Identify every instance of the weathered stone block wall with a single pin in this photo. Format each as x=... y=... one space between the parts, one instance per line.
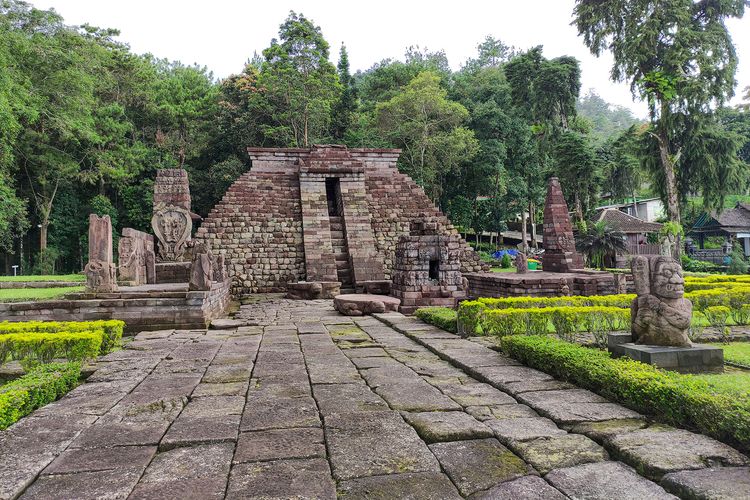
x=258 y=228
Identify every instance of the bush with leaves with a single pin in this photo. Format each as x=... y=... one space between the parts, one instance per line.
x=505 y=262
x=32 y=349
x=441 y=317
x=112 y=329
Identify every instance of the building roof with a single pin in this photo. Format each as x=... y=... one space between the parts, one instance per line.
x=625 y=223
x=628 y=204
x=731 y=220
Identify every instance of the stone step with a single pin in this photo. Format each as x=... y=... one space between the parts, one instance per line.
x=344 y=256
x=337 y=226
x=342 y=264
x=337 y=234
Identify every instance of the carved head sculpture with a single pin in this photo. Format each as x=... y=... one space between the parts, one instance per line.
x=666 y=278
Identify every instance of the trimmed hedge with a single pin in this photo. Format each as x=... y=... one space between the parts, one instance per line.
x=112 y=329
x=32 y=348
x=622 y=300
x=681 y=400
x=42 y=385
x=441 y=317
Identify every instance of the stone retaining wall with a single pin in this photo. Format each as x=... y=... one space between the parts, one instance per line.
x=15 y=285
x=540 y=284
x=141 y=310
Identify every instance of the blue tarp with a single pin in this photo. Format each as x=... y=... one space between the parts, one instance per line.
x=499 y=254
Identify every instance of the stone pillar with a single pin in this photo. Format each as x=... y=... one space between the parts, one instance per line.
x=560 y=255
x=101 y=273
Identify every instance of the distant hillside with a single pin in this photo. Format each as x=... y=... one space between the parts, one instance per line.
x=607 y=119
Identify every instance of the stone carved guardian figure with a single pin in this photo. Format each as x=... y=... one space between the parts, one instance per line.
x=660 y=315
x=172 y=226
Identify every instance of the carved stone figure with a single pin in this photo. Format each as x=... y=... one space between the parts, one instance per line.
x=522 y=263
x=220 y=268
x=201 y=268
x=172 y=226
x=135 y=251
x=660 y=315
x=100 y=271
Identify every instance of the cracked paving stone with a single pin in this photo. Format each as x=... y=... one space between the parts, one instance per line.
x=411 y=486
x=604 y=481
x=186 y=431
x=375 y=443
x=415 y=395
x=279 y=413
x=658 y=450
x=523 y=429
x=192 y=472
x=500 y=412
x=556 y=452
x=501 y=375
x=523 y=488
x=478 y=464
x=476 y=395
x=221 y=374
x=109 y=484
x=560 y=397
x=516 y=388
x=344 y=398
x=280 y=444
x=573 y=413
x=715 y=483
x=601 y=431
x=264 y=389
x=121 y=433
x=101 y=459
x=228 y=389
x=366 y=352
x=298 y=479
x=440 y=426
x=213 y=406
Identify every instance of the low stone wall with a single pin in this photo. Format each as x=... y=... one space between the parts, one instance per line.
x=540 y=284
x=172 y=272
x=140 y=309
x=15 y=285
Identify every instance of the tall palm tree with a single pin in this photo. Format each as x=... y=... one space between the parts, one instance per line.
x=598 y=241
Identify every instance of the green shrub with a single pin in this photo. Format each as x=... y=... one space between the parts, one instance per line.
x=112 y=329
x=717 y=316
x=740 y=313
x=441 y=317
x=470 y=317
x=33 y=348
x=42 y=385
x=682 y=400
x=505 y=262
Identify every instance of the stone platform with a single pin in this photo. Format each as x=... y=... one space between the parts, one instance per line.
x=145 y=307
x=541 y=284
x=699 y=358
x=312 y=404
x=360 y=304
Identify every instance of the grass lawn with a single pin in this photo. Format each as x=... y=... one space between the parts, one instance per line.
x=57 y=277
x=503 y=269
x=737 y=352
x=24 y=294
x=734 y=381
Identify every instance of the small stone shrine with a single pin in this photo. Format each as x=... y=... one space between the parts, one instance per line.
x=560 y=255
x=307 y=221
x=427 y=270
x=660 y=317
x=136 y=258
x=100 y=271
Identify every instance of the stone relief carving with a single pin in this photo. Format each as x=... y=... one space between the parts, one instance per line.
x=100 y=271
x=172 y=226
x=660 y=315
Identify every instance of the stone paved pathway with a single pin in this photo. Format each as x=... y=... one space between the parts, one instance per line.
x=311 y=404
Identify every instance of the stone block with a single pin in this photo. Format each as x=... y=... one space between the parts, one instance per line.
x=699 y=358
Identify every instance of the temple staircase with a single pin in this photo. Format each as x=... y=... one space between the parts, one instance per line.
x=341 y=253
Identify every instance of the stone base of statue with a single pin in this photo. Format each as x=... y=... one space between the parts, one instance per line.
x=698 y=358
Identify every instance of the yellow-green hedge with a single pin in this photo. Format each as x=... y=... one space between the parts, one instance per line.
x=40 y=386
x=32 y=348
x=622 y=300
x=564 y=321
x=112 y=329
x=677 y=399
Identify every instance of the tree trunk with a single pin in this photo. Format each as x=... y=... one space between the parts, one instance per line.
x=532 y=219
x=579 y=208
x=635 y=205
x=673 y=206
x=523 y=231
x=43 y=235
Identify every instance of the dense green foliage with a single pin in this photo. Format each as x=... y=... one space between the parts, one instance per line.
x=32 y=348
x=441 y=317
x=681 y=400
x=111 y=329
x=40 y=386
x=85 y=123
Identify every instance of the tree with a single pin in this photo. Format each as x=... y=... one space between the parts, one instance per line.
x=599 y=241
x=13 y=216
x=676 y=54
x=607 y=120
x=578 y=170
x=346 y=105
x=622 y=172
x=300 y=83
x=429 y=128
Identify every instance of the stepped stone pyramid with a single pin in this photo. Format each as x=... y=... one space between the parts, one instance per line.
x=325 y=213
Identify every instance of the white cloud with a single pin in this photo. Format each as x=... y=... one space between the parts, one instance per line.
x=223 y=34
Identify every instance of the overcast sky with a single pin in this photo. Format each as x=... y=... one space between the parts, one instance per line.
x=223 y=34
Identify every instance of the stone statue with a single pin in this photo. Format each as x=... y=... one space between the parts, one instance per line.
x=522 y=263
x=201 y=268
x=172 y=226
x=100 y=271
x=659 y=315
x=220 y=268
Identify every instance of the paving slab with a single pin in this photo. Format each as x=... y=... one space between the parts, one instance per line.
x=280 y=444
x=374 y=443
x=189 y=431
x=344 y=398
x=602 y=431
x=730 y=483
x=415 y=395
x=546 y=454
x=279 y=413
x=476 y=395
x=478 y=464
x=108 y=484
x=605 y=481
x=516 y=388
x=500 y=412
x=101 y=459
x=440 y=426
x=222 y=374
x=659 y=450
x=523 y=429
x=523 y=488
x=409 y=486
x=227 y=389
x=298 y=479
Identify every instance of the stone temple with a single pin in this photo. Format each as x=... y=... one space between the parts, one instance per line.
x=322 y=214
